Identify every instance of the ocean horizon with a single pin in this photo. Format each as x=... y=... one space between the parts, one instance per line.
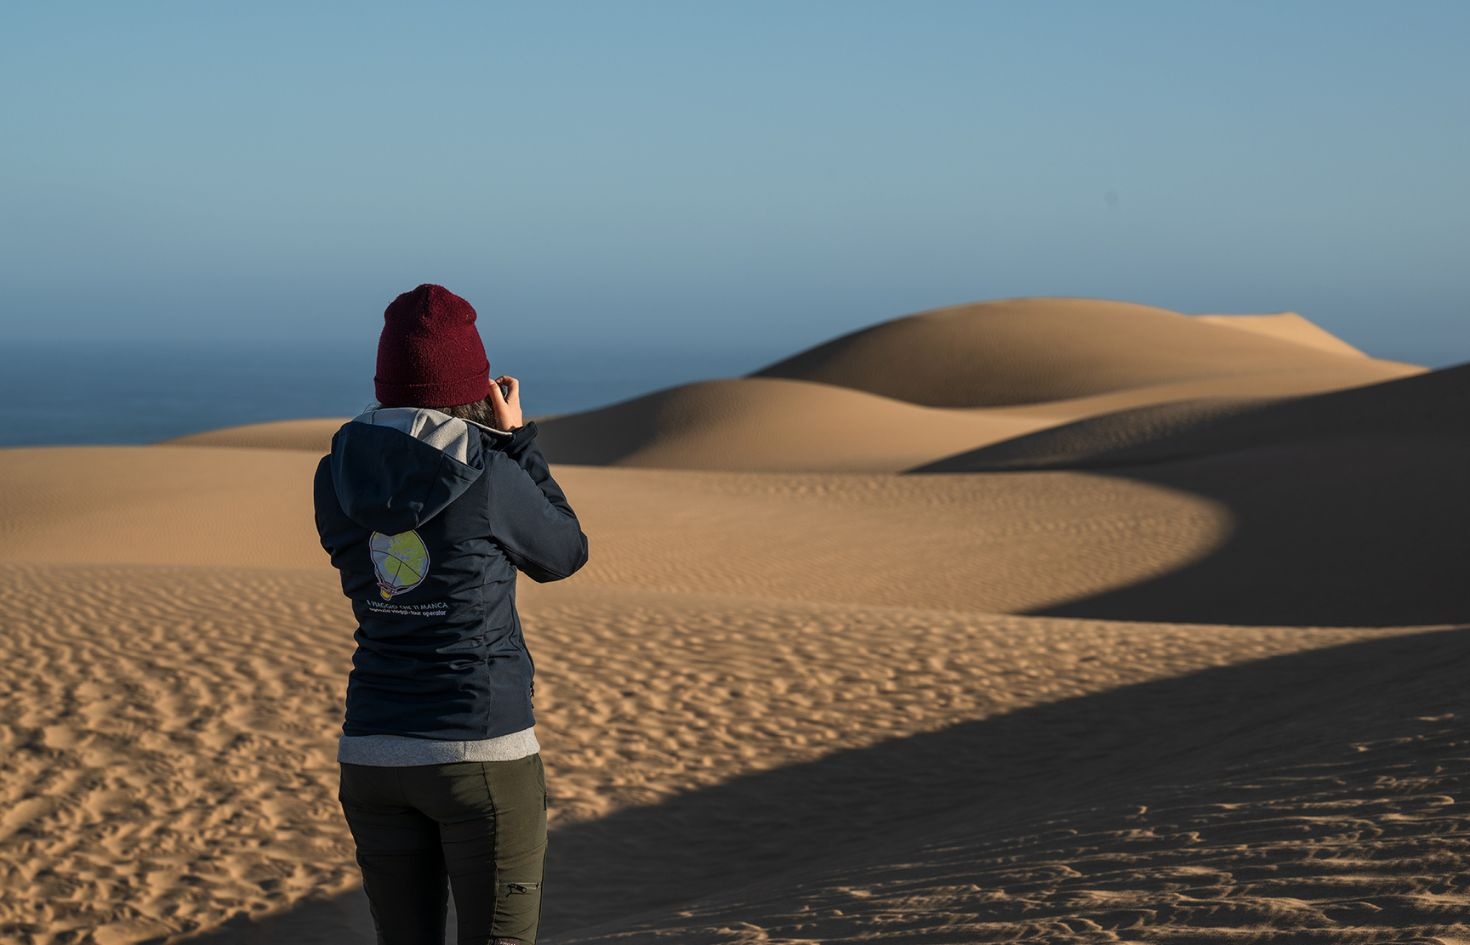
x=104 y=392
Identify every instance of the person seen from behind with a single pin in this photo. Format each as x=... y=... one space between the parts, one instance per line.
x=429 y=503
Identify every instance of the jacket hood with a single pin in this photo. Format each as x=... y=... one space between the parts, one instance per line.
x=395 y=468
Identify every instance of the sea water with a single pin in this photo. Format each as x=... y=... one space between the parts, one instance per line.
x=134 y=392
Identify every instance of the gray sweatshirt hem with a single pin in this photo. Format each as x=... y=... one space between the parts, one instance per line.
x=402 y=750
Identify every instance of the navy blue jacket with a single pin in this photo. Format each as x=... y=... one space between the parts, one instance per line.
x=427 y=518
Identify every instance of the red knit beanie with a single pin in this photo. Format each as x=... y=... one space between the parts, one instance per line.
x=430 y=353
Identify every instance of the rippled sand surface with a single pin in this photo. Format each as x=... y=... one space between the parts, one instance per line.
x=1210 y=690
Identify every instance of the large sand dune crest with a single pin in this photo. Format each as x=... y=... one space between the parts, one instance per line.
x=1022 y=351
x=1287 y=326
x=966 y=378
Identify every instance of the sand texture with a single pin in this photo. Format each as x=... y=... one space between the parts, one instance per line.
x=1071 y=639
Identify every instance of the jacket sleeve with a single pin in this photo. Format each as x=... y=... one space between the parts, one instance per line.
x=529 y=514
x=322 y=494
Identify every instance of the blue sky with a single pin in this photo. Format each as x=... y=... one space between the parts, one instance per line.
x=652 y=176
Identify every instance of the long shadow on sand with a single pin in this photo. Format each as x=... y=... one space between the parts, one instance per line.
x=1368 y=532
x=1348 y=508
x=1278 y=725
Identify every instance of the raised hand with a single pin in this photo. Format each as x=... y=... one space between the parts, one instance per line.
x=507 y=408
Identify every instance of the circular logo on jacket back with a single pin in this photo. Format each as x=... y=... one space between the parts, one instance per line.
x=400 y=561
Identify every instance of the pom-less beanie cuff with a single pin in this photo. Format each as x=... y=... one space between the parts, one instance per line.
x=434 y=393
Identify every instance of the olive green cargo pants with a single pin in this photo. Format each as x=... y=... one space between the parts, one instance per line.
x=476 y=826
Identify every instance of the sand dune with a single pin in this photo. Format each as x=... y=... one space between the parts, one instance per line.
x=1302 y=380
x=1279 y=536
x=806 y=537
x=159 y=505
x=314 y=435
x=997 y=544
x=771 y=424
x=775 y=424
x=1021 y=351
x=1037 y=363
x=703 y=742
x=174 y=774
x=1287 y=326
x=1431 y=404
x=1052 y=361
x=1209 y=694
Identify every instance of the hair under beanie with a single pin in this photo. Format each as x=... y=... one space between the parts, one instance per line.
x=430 y=353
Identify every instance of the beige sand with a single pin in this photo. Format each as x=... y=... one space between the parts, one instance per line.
x=1019 y=351
x=1288 y=326
x=1217 y=698
x=313 y=435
